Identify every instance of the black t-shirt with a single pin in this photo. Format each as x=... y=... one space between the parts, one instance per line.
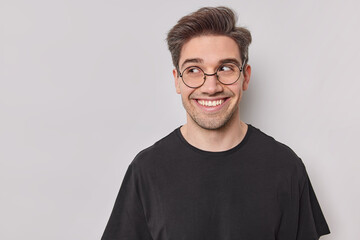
x=258 y=190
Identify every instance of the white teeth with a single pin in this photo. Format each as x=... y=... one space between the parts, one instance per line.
x=211 y=103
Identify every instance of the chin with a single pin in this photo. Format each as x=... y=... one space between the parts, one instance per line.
x=214 y=124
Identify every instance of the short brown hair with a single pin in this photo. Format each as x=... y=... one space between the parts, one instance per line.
x=208 y=21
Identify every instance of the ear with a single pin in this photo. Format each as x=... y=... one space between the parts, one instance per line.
x=247 y=74
x=177 y=82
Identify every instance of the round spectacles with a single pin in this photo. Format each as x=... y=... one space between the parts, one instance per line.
x=227 y=74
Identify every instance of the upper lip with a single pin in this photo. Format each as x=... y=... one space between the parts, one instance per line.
x=211 y=99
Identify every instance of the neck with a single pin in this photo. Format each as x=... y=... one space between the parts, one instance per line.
x=222 y=139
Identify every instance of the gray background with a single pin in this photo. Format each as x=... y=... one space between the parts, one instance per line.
x=86 y=85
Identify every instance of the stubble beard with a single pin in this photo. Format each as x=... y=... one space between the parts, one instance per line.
x=211 y=122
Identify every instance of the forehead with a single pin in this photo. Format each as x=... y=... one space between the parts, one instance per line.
x=210 y=48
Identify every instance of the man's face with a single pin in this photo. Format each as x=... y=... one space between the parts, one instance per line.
x=214 y=104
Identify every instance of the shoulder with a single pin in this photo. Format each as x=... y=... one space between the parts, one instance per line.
x=270 y=148
x=160 y=150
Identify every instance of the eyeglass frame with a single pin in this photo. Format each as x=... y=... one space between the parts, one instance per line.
x=212 y=74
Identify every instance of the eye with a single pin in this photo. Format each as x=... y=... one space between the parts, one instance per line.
x=226 y=68
x=192 y=70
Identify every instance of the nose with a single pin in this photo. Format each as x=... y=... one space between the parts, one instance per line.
x=211 y=85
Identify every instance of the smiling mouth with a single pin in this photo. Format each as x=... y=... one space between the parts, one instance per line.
x=211 y=103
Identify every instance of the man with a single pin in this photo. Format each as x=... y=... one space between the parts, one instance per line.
x=215 y=177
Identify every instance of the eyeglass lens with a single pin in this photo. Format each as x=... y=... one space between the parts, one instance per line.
x=195 y=77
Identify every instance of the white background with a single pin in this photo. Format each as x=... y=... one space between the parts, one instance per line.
x=86 y=85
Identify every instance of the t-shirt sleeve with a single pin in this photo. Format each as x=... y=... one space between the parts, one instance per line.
x=127 y=220
x=312 y=223
x=303 y=219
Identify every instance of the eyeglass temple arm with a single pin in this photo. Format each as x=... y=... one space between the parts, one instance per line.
x=242 y=67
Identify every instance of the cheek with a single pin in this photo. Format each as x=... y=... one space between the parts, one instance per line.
x=185 y=92
x=236 y=90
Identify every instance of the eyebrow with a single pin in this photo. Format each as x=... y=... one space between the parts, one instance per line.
x=192 y=60
x=230 y=60
x=199 y=60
